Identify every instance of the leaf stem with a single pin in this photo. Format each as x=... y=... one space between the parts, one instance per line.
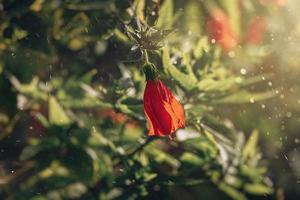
x=146 y=57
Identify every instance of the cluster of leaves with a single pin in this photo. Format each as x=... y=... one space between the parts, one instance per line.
x=83 y=153
x=77 y=153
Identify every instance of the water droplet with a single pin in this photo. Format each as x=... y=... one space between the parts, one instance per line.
x=238 y=80
x=263 y=106
x=127 y=182
x=231 y=54
x=213 y=41
x=251 y=100
x=270 y=83
x=210 y=108
x=288 y=114
x=243 y=71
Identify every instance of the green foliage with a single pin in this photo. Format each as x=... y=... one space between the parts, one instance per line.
x=57 y=116
x=166 y=15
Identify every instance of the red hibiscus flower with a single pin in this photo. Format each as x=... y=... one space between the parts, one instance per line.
x=219 y=29
x=164 y=113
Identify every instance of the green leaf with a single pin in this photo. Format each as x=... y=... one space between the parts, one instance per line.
x=254 y=173
x=57 y=115
x=258 y=189
x=191 y=159
x=195 y=112
x=201 y=47
x=233 y=10
x=43 y=144
x=250 y=149
x=121 y=36
x=165 y=18
x=203 y=146
x=87 y=6
x=256 y=79
x=162 y=157
x=99 y=140
x=39 y=198
x=159 y=35
x=232 y=192
x=209 y=84
x=30 y=151
x=210 y=137
x=244 y=96
x=139 y=6
x=193 y=17
x=31 y=89
x=87 y=78
x=131 y=106
x=55 y=182
x=149 y=177
x=187 y=81
x=42 y=119
x=179 y=181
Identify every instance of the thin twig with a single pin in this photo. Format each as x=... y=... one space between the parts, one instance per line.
x=145 y=54
x=141 y=147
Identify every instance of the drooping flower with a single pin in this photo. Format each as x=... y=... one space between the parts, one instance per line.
x=220 y=30
x=164 y=113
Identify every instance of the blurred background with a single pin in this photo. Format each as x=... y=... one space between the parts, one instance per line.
x=72 y=124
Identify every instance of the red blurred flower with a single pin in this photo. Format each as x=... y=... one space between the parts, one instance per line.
x=164 y=113
x=219 y=29
x=256 y=30
x=115 y=117
x=276 y=2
